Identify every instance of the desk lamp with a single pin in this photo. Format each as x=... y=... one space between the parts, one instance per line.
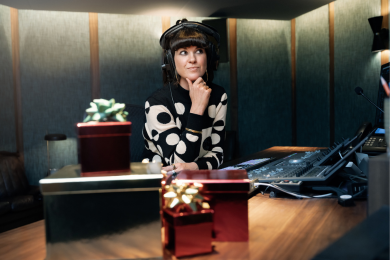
x=52 y=137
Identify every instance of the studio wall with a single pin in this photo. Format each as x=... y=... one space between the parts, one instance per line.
x=264 y=84
x=7 y=108
x=355 y=65
x=312 y=78
x=56 y=81
x=129 y=57
x=55 y=85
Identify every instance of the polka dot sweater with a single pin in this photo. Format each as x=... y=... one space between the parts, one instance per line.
x=165 y=134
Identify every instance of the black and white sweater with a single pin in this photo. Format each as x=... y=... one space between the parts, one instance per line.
x=165 y=134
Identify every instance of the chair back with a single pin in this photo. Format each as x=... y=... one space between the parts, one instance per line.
x=137 y=118
x=230 y=147
x=13 y=180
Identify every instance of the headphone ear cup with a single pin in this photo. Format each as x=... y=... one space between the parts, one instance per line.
x=214 y=57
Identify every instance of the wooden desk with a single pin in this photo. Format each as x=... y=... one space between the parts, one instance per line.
x=279 y=228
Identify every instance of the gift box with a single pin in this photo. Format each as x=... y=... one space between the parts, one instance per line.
x=227 y=194
x=104 y=147
x=188 y=233
x=103 y=217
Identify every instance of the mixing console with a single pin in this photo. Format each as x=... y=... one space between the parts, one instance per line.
x=307 y=167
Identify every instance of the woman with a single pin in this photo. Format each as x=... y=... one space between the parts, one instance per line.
x=185 y=120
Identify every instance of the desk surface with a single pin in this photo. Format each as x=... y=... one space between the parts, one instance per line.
x=279 y=228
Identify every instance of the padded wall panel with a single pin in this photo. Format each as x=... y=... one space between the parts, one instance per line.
x=264 y=84
x=7 y=115
x=55 y=82
x=222 y=75
x=312 y=77
x=129 y=57
x=355 y=65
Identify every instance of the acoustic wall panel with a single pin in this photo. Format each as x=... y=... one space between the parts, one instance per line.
x=55 y=83
x=355 y=65
x=129 y=57
x=222 y=75
x=7 y=115
x=312 y=77
x=264 y=84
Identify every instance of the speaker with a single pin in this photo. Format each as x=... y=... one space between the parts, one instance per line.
x=221 y=26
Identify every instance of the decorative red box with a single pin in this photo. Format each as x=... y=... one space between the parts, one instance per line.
x=227 y=194
x=104 y=147
x=188 y=233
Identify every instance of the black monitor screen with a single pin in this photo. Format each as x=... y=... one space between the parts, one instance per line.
x=381 y=94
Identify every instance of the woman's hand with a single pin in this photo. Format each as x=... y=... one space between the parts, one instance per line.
x=199 y=94
x=181 y=166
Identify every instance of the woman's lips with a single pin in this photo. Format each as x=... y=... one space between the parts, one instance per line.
x=192 y=68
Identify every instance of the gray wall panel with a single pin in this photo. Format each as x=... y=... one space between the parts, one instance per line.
x=7 y=115
x=355 y=65
x=55 y=82
x=264 y=84
x=129 y=57
x=312 y=78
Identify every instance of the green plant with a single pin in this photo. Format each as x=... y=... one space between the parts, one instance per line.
x=102 y=110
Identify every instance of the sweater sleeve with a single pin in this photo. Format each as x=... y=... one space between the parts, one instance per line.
x=214 y=157
x=162 y=133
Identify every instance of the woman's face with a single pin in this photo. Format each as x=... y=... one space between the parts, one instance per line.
x=191 y=62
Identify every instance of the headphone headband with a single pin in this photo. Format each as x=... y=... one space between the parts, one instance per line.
x=168 y=64
x=210 y=31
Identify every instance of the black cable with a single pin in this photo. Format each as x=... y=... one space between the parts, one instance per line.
x=360 y=192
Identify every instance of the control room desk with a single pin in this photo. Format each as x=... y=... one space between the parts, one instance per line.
x=280 y=228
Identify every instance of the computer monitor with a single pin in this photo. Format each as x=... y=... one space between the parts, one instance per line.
x=379 y=122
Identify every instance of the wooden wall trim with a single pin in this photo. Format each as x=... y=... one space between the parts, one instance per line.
x=16 y=80
x=293 y=87
x=166 y=23
x=232 y=25
x=233 y=73
x=94 y=52
x=331 y=75
x=385 y=24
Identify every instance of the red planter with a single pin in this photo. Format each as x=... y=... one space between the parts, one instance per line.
x=227 y=194
x=104 y=147
x=188 y=233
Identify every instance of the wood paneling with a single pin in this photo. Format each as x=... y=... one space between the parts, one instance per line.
x=16 y=79
x=94 y=49
x=385 y=24
x=331 y=74
x=233 y=73
x=166 y=23
x=232 y=23
x=293 y=86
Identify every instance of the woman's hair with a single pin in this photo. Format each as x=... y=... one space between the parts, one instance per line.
x=187 y=37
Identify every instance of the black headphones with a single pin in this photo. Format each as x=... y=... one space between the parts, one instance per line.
x=212 y=51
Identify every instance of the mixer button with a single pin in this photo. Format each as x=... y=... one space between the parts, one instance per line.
x=286 y=181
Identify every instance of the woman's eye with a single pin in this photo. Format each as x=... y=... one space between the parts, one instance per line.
x=199 y=51
x=183 y=53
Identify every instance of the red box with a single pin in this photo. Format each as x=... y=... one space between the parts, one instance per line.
x=188 y=233
x=104 y=147
x=227 y=193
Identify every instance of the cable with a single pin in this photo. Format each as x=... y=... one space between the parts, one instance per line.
x=360 y=192
x=354 y=176
x=264 y=190
x=323 y=195
x=283 y=190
